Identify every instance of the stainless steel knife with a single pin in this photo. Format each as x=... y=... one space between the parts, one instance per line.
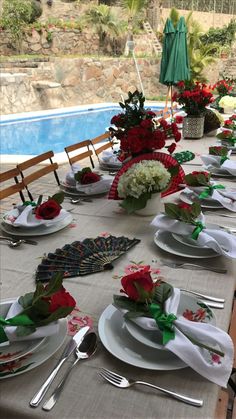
x=72 y=344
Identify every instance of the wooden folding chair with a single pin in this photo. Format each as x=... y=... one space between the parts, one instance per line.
x=36 y=174
x=12 y=189
x=80 y=156
x=105 y=145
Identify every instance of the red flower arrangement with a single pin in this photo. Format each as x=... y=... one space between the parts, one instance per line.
x=178 y=119
x=194 y=96
x=137 y=129
x=86 y=176
x=223 y=87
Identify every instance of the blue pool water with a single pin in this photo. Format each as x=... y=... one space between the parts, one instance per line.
x=54 y=132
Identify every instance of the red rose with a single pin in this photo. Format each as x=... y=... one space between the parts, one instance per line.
x=179 y=119
x=139 y=285
x=183 y=205
x=60 y=299
x=195 y=173
x=146 y=123
x=171 y=148
x=89 y=177
x=118 y=120
x=48 y=210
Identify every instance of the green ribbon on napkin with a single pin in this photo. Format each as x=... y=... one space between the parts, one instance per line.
x=198 y=228
x=223 y=159
x=164 y=322
x=19 y=320
x=32 y=203
x=209 y=190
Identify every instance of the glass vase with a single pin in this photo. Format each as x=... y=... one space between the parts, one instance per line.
x=193 y=126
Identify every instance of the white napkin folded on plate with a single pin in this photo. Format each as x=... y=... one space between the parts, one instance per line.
x=40 y=332
x=26 y=218
x=101 y=186
x=70 y=176
x=213 y=162
x=226 y=197
x=214 y=368
x=220 y=241
x=109 y=157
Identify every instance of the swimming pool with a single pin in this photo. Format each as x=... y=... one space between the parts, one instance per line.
x=34 y=133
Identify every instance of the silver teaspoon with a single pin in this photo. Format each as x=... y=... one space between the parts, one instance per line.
x=86 y=349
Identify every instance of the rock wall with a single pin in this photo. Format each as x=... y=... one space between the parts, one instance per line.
x=62 y=82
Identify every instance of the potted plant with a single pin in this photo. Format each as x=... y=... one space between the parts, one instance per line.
x=194 y=97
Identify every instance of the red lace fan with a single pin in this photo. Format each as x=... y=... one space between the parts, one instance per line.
x=164 y=158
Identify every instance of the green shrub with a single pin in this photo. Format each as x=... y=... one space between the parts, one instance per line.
x=222 y=36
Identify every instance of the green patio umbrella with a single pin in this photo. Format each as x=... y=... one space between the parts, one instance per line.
x=178 y=64
x=169 y=33
x=174 y=62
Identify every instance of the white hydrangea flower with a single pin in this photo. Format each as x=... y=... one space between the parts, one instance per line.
x=145 y=176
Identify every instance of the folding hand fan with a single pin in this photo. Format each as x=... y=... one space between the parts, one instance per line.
x=164 y=158
x=84 y=257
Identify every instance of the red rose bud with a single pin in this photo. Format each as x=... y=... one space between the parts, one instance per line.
x=48 y=210
x=89 y=178
x=61 y=299
x=171 y=148
x=138 y=286
x=183 y=205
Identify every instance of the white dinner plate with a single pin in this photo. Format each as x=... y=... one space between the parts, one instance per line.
x=187 y=198
x=117 y=340
x=188 y=241
x=153 y=338
x=50 y=345
x=16 y=350
x=165 y=241
x=36 y=231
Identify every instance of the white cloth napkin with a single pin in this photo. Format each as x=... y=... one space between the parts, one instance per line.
x=109 y=157
x=101 y=186
x=70 y=176
x=227 y=196
x=220 y=241
x=213 y=162
x=197 y=358
x=40 y=332
x=26 y=218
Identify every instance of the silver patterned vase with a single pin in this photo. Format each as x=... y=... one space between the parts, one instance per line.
x=193 y=126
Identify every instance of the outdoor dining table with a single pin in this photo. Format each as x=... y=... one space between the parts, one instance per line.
x=86 y=394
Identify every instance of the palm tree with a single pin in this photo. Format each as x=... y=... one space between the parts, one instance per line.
x=134 y=9
x=103 y=22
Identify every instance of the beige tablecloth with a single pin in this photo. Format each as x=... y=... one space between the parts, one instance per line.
x=86 y=395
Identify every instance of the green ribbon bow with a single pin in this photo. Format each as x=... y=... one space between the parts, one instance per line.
x=19 y=320
x=198 y=228
x=164 y=322
x=209 y=190
x=32 y=203
x=223 y=159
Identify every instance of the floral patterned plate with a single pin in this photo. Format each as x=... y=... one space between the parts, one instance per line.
x=33 y=359
x=190 y=308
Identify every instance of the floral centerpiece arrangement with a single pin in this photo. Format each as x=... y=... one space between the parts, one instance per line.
x=194 y=96
x=86 y=176
x=35 y=309
x=138 y=129
x=141 y=181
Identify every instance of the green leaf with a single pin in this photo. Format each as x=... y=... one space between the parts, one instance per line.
x=173 y=170
x=58 y=197
x=162 y=293
x=58 y=314
x=39 y=201
x=172 y=210
x=54 y=284
x=25 y=330
x=127 y=304
x=26 y=300
x=196 y=210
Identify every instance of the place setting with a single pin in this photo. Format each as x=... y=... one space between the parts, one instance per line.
x=218 y=162
x=84 y=183
x=36 y=218
x=183 y=231
x=158 y=327
x=33 y=327
x=199 y=187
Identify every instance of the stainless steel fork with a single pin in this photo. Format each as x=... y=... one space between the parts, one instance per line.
x=188 y=265
x=123 y=382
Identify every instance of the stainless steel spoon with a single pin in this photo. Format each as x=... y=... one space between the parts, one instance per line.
x=17 y=242
x=86 y=349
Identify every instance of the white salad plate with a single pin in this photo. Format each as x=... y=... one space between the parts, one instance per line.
x=205 y=203
x=41 y=230
x=153 y=338
x=32 y=360
x=165 y=241
x=118 y=341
